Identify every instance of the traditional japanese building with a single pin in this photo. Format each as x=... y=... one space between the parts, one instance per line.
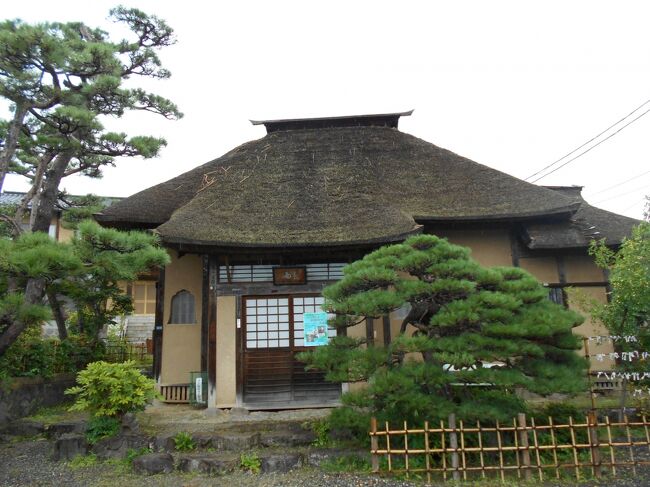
x=256 y=234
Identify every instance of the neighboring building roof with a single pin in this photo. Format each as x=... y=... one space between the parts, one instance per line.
x=15 y=197
x=314 y=182
x=585 y=225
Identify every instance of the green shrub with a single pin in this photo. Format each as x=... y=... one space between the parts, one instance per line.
x=250 y=462
x=183 y=442
x=112 y=389
x=100 y=427
x=351 y=422
x=321 y=428
x=76 y=352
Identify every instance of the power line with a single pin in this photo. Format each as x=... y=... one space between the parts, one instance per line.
x=590 y=148
x=638 y=202
x=589 y=141
x=644 y=187
x=620 y=184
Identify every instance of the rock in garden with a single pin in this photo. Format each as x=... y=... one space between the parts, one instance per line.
x=280 y=463
x=154 y=463
x=69 y=445
x=24 y=427
x=235 y=441
x=210 y=464
x=55 y=430
x=118 y=446
x=287 y=438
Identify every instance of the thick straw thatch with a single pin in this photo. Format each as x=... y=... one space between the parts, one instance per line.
x=329 y=186
x=586 y=224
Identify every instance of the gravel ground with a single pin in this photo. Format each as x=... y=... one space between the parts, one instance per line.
x=27 y=463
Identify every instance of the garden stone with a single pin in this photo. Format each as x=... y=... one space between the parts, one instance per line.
x=210 y=464
x=24 y=427
x=57 y=429
x=130 y=424
x=287 y=438
x=68 y=446
x=280 y=463
x=235 y=441
x=164 y=443
x=153 y=463
x=203 y=440
x=118 y=446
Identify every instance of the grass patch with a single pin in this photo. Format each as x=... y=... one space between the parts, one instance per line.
x=83 y=461
x=54 y=414
x=347 y=464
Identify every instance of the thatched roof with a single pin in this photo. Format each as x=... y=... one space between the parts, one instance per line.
x=586 y=224
x=355 y=180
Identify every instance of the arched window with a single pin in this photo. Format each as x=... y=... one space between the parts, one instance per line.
x=182 y=308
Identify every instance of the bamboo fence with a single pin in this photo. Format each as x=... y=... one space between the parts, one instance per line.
x=461 y=451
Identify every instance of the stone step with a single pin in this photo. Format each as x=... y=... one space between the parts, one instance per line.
x=270 y=461
x=240 y=441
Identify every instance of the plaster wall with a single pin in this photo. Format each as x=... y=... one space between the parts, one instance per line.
x=226 y=396
x=181 y=350
x=490 y=247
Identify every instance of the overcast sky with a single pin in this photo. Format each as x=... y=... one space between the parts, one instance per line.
x=512 y=85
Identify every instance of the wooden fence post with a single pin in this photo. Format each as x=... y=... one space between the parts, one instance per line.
x=453 y=445
x=595 y=444
x=374 y=445
x=523 y=442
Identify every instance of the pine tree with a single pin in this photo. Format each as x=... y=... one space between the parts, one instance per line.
x=62 y=80
x=472 y=335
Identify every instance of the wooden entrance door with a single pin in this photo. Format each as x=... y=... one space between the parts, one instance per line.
x=273 y=334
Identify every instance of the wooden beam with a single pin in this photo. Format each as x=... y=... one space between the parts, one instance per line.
x=157 y=335
x=212 y=328
x=386 y=325
x=205 y=310
x=370 y=331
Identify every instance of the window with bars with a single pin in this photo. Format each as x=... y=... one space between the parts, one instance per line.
x=182 y=308
x=143 y=294
x=264 y=273
x=277 y=322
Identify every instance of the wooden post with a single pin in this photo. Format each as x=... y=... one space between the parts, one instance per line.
x=374 y=445
x=595 y=444
x=523 y=442
x=592 y=396
x=453 y=445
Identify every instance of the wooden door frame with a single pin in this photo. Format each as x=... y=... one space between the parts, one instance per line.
x=240 y=342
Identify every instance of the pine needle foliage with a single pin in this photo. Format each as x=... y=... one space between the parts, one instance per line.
x=472 y=335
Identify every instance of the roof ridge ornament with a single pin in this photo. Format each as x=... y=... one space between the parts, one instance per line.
x=370 y=120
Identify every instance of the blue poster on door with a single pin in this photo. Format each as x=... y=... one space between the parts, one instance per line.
x=315 y=329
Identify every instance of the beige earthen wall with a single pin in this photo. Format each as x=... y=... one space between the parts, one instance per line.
x=226 y=396
x=181 y=350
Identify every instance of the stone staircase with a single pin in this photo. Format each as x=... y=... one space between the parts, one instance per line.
x=273 y=448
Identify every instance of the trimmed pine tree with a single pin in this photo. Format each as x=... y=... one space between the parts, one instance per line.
x=471 y=337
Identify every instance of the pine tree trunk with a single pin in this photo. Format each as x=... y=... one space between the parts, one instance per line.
x=33 y=294
x=57 y=311
x=11 y=141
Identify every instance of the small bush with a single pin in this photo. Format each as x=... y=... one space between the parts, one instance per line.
x=100 y=427
x=183 y=442
x=350 y=423
x=321 y=428
x=250 y=462
x=112 y=389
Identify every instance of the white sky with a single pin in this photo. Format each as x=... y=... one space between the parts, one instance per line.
x=513 y=85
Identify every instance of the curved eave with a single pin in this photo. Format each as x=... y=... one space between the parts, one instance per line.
x=290 y=245
x=507 y=217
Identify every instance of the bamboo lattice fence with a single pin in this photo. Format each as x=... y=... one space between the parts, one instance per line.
x=463 y=451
